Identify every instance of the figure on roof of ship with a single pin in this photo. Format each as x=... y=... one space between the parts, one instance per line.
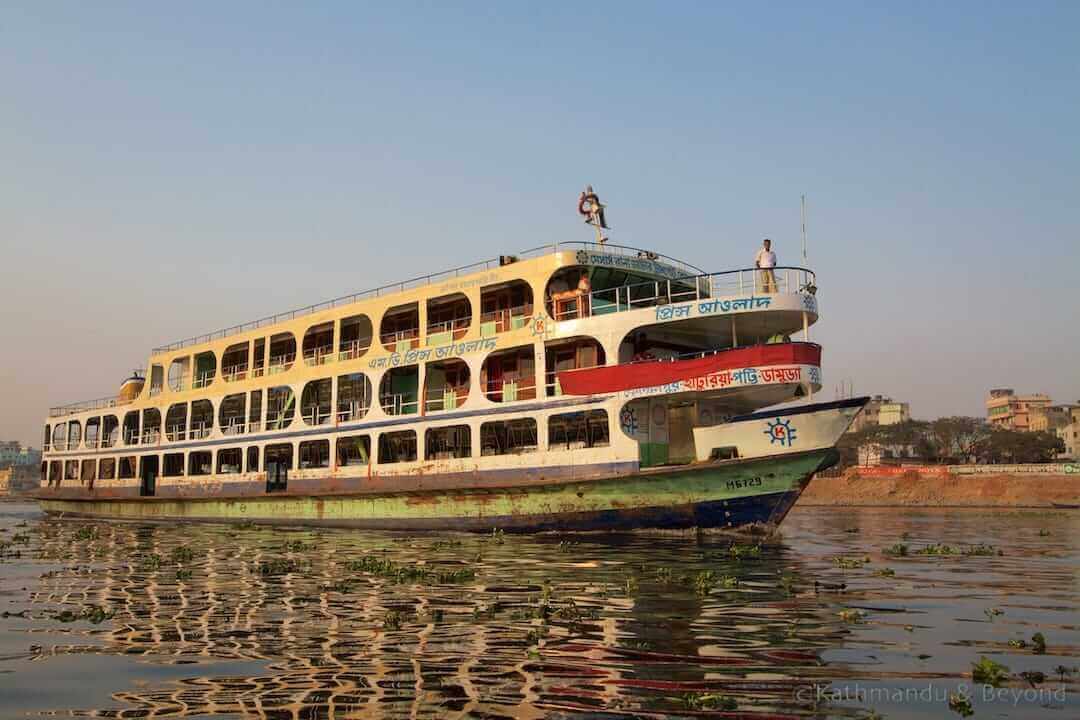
x=590 y=207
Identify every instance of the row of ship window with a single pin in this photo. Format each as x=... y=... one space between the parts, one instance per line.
x=505 y=376
x=583 y=429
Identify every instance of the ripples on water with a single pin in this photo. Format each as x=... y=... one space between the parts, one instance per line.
x=126 y=620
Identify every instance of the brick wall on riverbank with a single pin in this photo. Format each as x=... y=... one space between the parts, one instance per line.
x=945 y=486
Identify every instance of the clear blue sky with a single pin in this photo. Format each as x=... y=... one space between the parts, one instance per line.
x=170 y=169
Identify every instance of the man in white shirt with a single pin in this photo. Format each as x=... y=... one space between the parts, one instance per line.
x=765 y=261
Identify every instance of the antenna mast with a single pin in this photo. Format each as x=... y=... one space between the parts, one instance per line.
x=803 y=214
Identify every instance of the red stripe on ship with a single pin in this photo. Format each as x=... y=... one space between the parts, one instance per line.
x=616 y=378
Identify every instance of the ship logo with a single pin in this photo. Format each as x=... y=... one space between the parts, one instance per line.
x=582 y=257
x=780 y=431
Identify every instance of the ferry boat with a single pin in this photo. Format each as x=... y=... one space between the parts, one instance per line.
x=577 y=386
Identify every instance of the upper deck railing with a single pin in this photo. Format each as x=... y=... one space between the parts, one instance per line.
x=99 y=404
x=573 y=305
x=424 y=280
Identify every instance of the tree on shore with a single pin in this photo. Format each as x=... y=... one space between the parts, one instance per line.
x=1014 y=446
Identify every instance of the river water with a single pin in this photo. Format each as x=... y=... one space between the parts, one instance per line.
x=130 y=620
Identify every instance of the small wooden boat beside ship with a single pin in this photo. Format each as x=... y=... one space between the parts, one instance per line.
x=580 y=386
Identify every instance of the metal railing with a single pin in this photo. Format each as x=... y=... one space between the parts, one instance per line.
x=505 y=319
x=444 y=398
x=631 y=253
x=455 y=328
x=202 y=380
x=513 y=388
x=234 y=373
x=784 y=280
x=393 y=339
x=319 y=355
x=316 y=415
x=353 y=349
x=74 y=408
x=399 y=404
x=354 y=411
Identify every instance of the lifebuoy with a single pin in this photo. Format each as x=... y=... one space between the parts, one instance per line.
x=592 y=200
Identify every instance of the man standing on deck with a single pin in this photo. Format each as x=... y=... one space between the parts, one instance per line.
x=765 y=261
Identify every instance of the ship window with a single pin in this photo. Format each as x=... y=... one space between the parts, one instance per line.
x=176 y=422
x=202 y=419
x=44 y=473
x=578 y=430
x=280 y=407
x=205 y=370
x=179 y=372
x=570 y=354
x=448 y=319
x=314 y=454
x=151 y=425
x=71 y=470
x=56 y=472
x=48 y=438
x=353 y=397
x=228 y=461
x=234 y=362
x=446 y=385
x=253 y=459
x=110 y=431
x=399 y=390
x=88 y=473
x=282 y=353
x=400 y=328
x=396 y=447
x=315 y=402
x=157 y=379
x=448 y=442
x=74 y=435
x=281 y=455
x=353 y=450
x=509 y=375
x=231 y=414
x=505 y=307
x=508 y=437
x=319 y=344
x=173 y=465
x=93 y=433
x=131 y=427
x=59 y=436
x=255 y=411
x=200 y=463
x=258 y=358
x=355 y=337
x=107 y=471
x=127 y=467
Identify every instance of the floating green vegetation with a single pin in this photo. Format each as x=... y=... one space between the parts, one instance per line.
x=183 y=574
x=897 y=550
x=936 y=549
x=1017 y=643
x=988 y=672
x=246 y=525
x=1038 y=644
x=297 y=546
x=566 y=545
x=498 y=537
x=630 y=584
x=851 y=530
x=961 y=704
x=1033 y=677
x=182 y=554
x=20 y=539
x=340 y=586
x=410 y=573
x=851 y=615
x=741 y=552
x=1044 y=532
x=787 y=583
x=850 y=563
x=93 y=614
x=1064 y=672
x=993 y=613
x=885 y=572
x=393 y=620
x=709 y=701
x=982 y=549
x=664 y=575
x=278 y=566
x=536 y=634
x=445 y=544
x=150 y=562
x=87 y=532
x=704 y=582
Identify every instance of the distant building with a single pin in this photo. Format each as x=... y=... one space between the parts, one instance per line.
x=1070 y=433
x=874 y=454
x=1005 y=409
x=12 y=453
x=881 y=410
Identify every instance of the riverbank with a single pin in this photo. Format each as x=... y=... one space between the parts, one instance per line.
x=945 y=486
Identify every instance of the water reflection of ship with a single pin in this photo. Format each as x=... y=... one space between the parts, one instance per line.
x=326 y=653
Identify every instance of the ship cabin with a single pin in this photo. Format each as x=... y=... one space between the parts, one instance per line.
x=460 y=377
